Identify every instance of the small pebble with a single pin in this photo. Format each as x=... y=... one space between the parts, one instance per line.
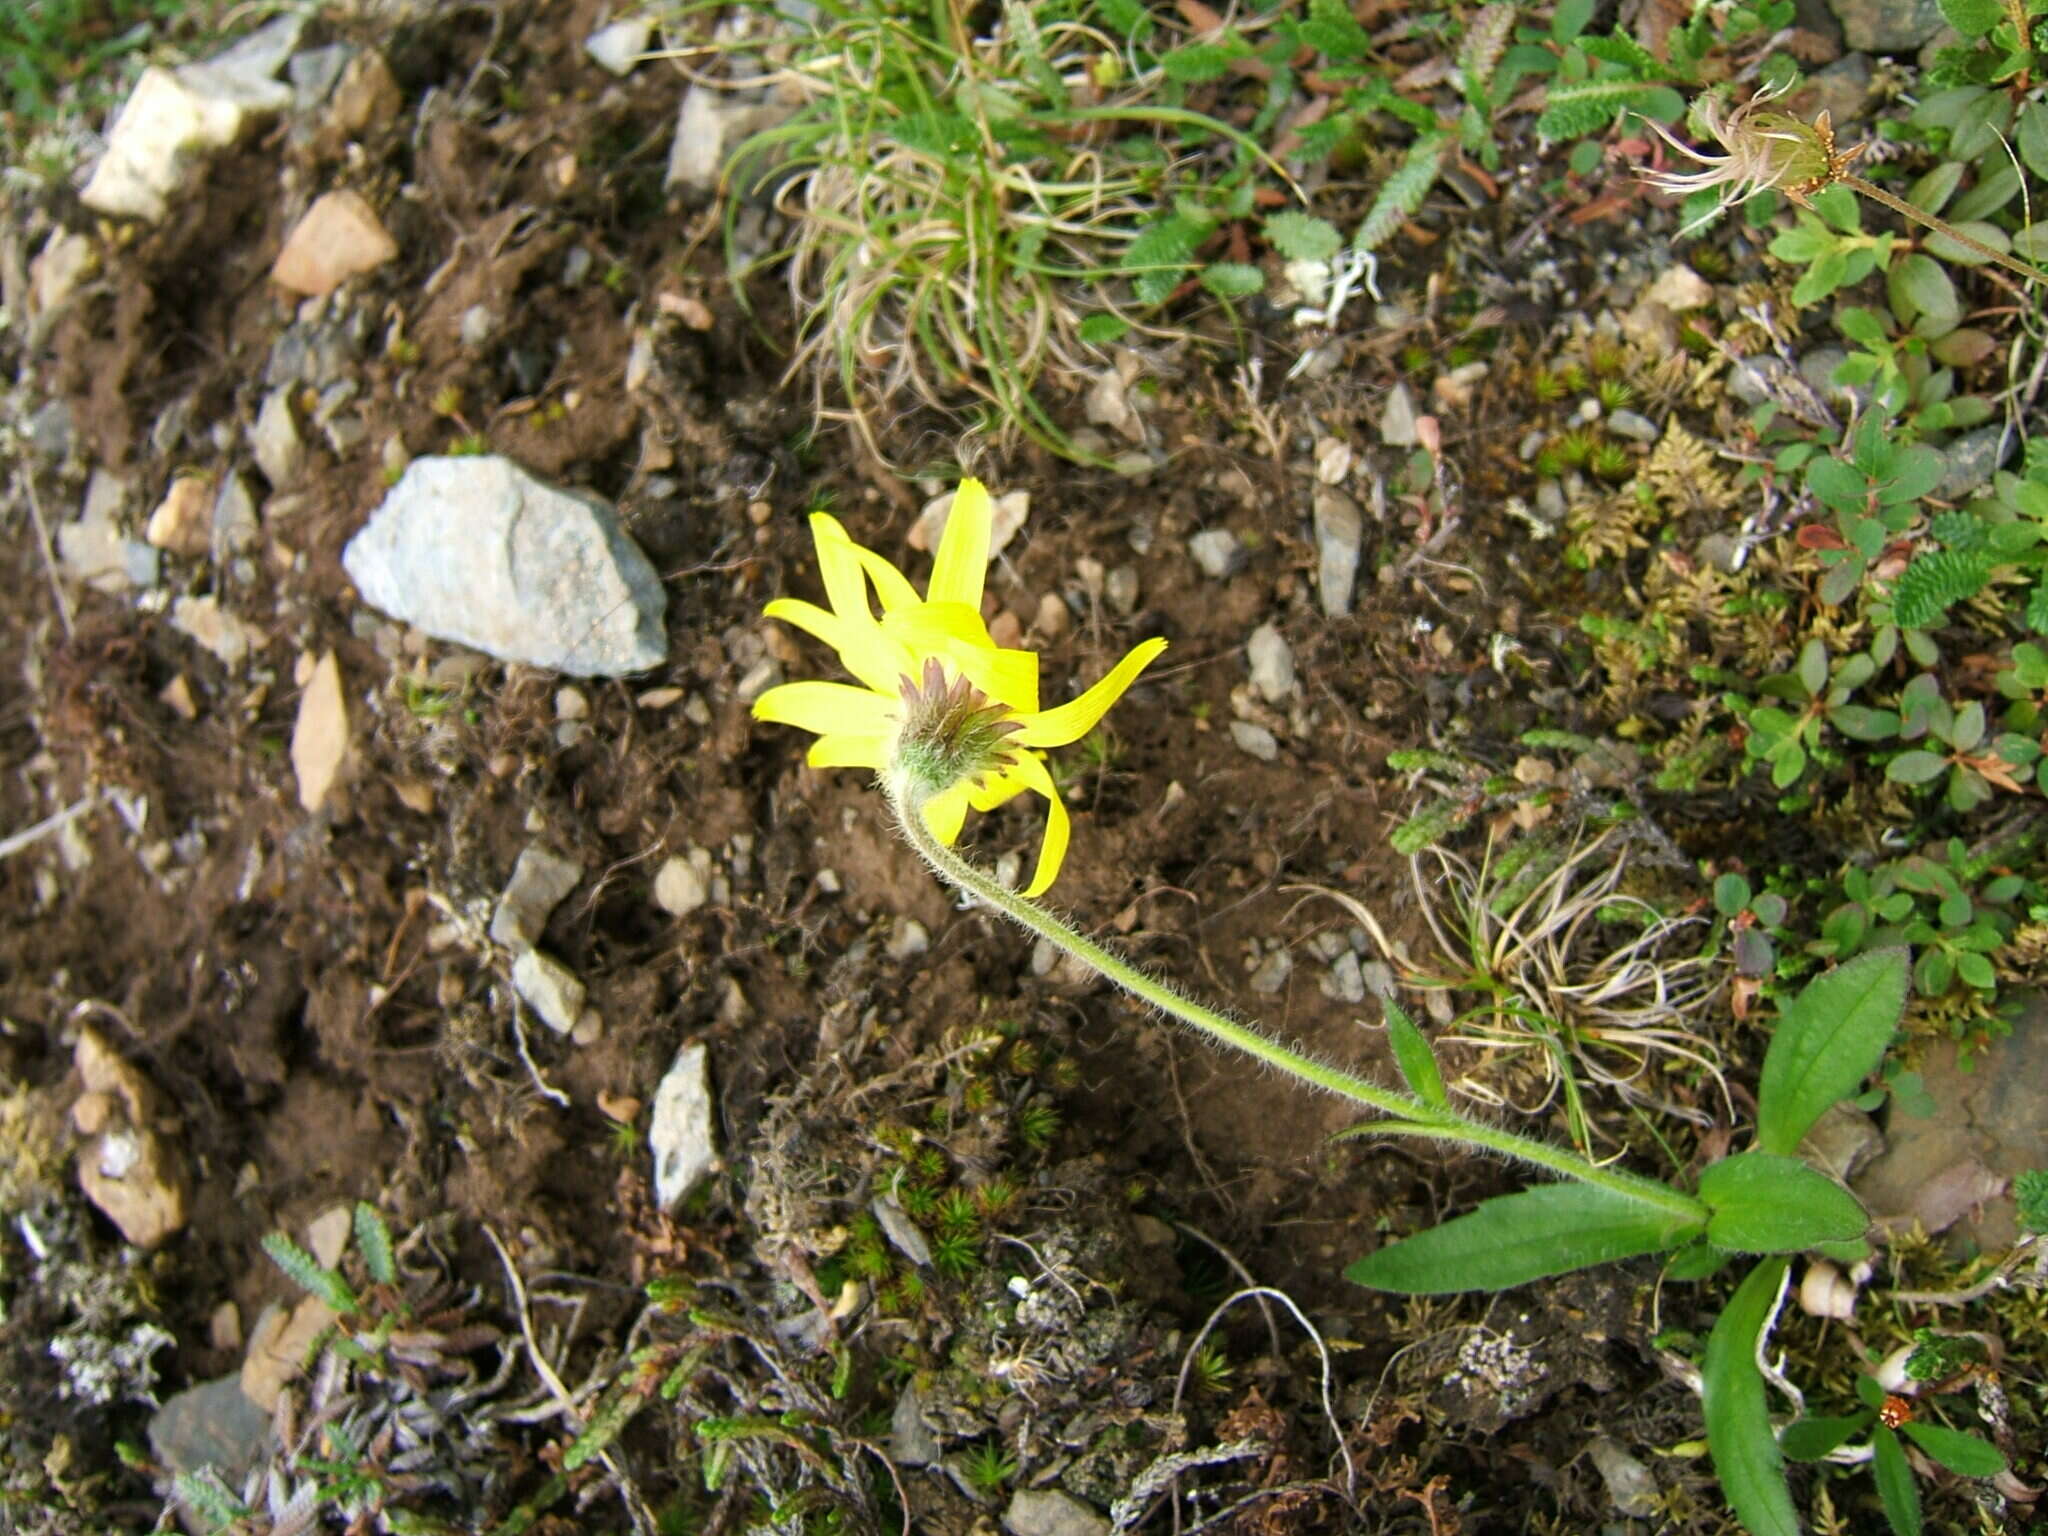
x=1345 y=982
x=1052 y=616
x=1218 y=552
x=908 y=939
x=589 y=1028
x=1633 y=424
x=1397 y=419
x=679 y=889
x=571 y=704
x=1255 y=740
x=1120 y=591
x=1272 y=973
x=1272 y=664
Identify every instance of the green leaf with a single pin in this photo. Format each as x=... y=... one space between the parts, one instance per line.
x=1548 y=1230
x=1739 y=1438
x=2031 y=139
x=1913 y=473
x=1412 y=1054
x=1570 y=18
x=1403 y=192
x=1840 y=484
x=373 y=1239
x=1972 y=18
x=1859 y=723
x=1963 y=1454
x=1731 y=894
x=1922 y=296
x=1161 y=255
x=1099 y=330
x=1896 y=1489
x=1811 y=1439
x=1195 y=63
x=1573 y=111
x=1233 y=279
x=1931 y=192
x=310 y=1275
x=1767 y=1204
x=1813 y=667
x=1828 y=1040
x=1695 y=1262
x=1915 y=767
x=2030 y=1193
x=1299 y=237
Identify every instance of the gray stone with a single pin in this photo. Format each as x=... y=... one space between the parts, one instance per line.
x=1397 y=419
x=550 y=988
x=1345 y=982
x=1631 y=1486
x=1972 y=460
x=1120 y=591
x=697 y=152
x=1551 y=506
x=1340 y=533
x=911 y=1441
x=477 y=551
x=540 y=880
x=274 y=439
x=211 y=1425
x=235 y=527
x=1271 y=975
x=1272 y=664
x=1887 y=26
x=1842 y=1141
x=680 y=1136
x=907 y=939
x=1633 y=424
x=319 y=355
x=477 y=326
x=1255 y=740
x=1842 y=90
x=1989 y=1121
x=49 y=430
x=314 y=74
x=1217 y=552
x=618 y=47
x=1048 y=1512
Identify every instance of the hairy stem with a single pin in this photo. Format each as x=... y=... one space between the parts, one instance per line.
x=1939 y=225
x=1413 y=1115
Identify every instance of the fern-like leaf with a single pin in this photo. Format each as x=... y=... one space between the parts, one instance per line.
x=1573 y=111
x=373 y=1240
x=1935 y=582
x=1161 y=256
x=202 y=1493
x=1486 y=38
x=310 y=1275
x=1403 y=192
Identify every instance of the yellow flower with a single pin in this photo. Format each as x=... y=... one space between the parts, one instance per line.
x=937 y=695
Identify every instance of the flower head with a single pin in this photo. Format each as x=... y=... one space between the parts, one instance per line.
x=949 y=718
x=1766 y=150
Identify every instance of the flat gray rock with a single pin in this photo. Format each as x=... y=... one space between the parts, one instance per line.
x=477 y=551
x=211 y=1425
x=681 y=1136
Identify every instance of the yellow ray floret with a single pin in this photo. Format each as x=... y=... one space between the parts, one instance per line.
x=892 y=657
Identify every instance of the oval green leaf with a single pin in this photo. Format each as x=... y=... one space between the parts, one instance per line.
x=1739 y=1438
x=1811 y=1439
x=1414 y=1057
x=1548 y=1230
x=1767 y=1204
x=1963 y=1454
x=1828 y=1039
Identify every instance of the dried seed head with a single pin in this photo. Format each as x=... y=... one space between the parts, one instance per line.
x=1766 y=150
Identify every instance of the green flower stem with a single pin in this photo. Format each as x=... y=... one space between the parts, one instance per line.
x=1926 y=220
x=1410 y=1115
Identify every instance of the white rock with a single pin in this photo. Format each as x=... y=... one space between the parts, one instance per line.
x=94 y=549
x=235 y=528
x=680 y=1136
x=1218 y=552
x=171 y=117
x=541 y=880
x=65 y=261
x=1397 y=419
x=1255 y=740
x=618 y=47
x=678 y=889
x=1340 y=532
x=327 y=1234
x=1008 y=514
x=127 y=1169
x=338 y=238
x=1049 y=1512
x=1272 y=664
x=697 y=154
x=550 y=988
x=477 y=551
x=908 y=939
x=274 y=439
x=1678 y=288
x=320 y=735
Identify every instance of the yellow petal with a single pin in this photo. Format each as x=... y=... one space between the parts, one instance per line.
x=998 y=790
x=866 y=651
x=1030 y=768
x=840 y=568
x=961 y=564
x=827 y=709
x=891 y=586
x=849 y=752
x=1070 y=722
x=955 y=634
x=946 y=812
